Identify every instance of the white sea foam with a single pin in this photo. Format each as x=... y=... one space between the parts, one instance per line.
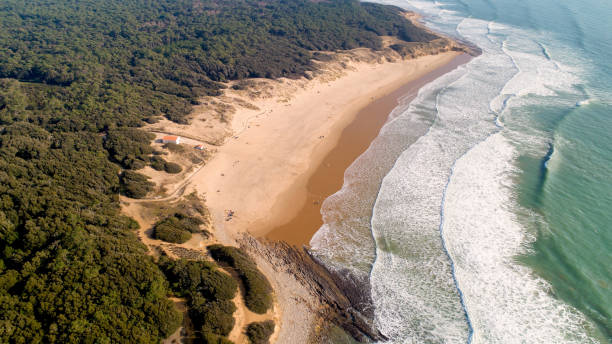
x=345 y=240
x=505 y=301
x=415 y=296
x=441 y=184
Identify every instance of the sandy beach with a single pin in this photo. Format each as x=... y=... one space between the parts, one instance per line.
x=274 y=150
x=260 y=176
x=327 y=178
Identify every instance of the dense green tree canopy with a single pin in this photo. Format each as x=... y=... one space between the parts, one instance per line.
x=76 y=78
x=209 y=293
x=71 y=269
x=144 y=57
x=258 y=291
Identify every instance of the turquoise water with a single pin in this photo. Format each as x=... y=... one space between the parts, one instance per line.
x=488 y=217
x=572 y=192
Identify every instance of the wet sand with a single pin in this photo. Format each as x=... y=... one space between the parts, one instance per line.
x=328 y=177
x=257 y=180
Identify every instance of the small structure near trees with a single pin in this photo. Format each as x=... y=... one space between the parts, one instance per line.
x=171 y=139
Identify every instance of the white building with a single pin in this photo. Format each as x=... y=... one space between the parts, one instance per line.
x=171 y=139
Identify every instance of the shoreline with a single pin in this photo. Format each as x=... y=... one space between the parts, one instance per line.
x=328 y=176
x=260 y=174
x=266 y=141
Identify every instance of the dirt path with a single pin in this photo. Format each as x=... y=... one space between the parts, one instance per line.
x=243 y=316
x=185 y=332
x=174 y=195
x=199 y=139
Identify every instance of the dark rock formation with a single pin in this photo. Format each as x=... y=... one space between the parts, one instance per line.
x=344 y=301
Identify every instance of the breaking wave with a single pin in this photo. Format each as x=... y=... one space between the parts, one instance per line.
x=427 y=215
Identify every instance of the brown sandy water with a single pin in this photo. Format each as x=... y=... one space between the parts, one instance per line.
x=328 y=177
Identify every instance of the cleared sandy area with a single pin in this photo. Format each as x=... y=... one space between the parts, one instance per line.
x=260 y=174
x=266 y=142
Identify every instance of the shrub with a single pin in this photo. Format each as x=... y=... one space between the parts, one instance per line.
x=135 y=185
x=211 y=338
x=213 y=316
x=217 y=285
x=190 y=277
x=170 y=234
x=209 y=293
x=177 y=226
x=243 y=84
x=137 y=164
x=132 y=224
x=151 y=120
x=158 y=163
x=260 y=332
x=173 y=168
x=190 y=223
x=173 y=147
x=258 y=291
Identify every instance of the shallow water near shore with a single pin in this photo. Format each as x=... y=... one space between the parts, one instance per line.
x=494 y=225
x=354 y=140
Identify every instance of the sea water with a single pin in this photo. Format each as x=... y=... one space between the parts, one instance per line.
x=483 y=211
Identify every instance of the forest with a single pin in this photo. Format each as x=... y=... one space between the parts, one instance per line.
x=77 y=80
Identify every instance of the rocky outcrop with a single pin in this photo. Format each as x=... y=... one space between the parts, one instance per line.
x=339 y=301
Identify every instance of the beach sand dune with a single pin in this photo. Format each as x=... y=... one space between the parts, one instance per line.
x=277 y=148
x=260 y=174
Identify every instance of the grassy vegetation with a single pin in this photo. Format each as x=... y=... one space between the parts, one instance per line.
x=258 y=290
x=260 y=332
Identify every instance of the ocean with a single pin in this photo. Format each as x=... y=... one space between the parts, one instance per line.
x=482 y=213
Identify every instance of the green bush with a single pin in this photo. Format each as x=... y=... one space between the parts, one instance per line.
x=135 y=185
x=170 y=234
x=190 y=223
x=209 y=293
x=135 y=164
x=158 y=163
x=176 y=228
x=258 y=290
x=189 y=277
x=171 y=167
x=213 y=316
x=260 y=332
x=217 y=285
x=173 y=147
